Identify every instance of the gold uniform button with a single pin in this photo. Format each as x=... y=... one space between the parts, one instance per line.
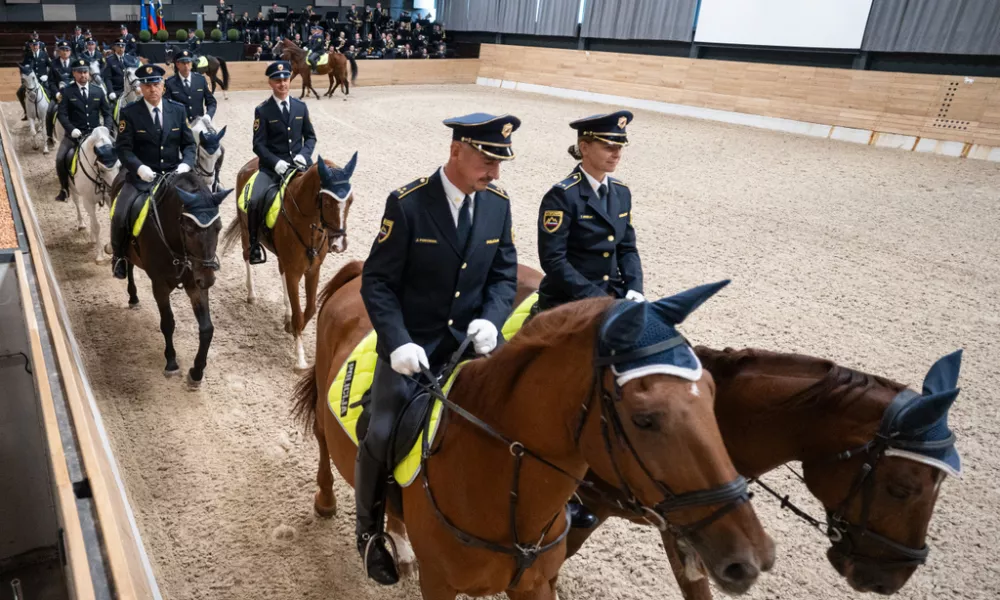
x=289 y=129
x=611 y=238
x=464 y=265
x=606 y=278
x=607 y=254
x=161 y=147
x=457 y=294
x=450 y=321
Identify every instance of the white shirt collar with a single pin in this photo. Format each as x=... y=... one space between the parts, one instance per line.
x=454 y=195
x=150 y=108
x=288 y=99
x=595 y=184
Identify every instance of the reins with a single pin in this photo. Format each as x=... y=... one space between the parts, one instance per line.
x=101 y=187
x=183 y=260
x=312 y=251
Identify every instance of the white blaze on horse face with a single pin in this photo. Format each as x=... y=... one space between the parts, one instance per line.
x=694 y=390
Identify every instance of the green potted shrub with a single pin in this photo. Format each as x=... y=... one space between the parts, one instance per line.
x=200 y=34
x=181 y=35
x=145 y=36
x=162 y=35
x=216 y=35
x=233 y=35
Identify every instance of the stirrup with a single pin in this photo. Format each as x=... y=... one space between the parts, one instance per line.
x=392 y=550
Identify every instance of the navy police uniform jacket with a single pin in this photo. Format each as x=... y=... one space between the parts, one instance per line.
x=585 y=251
x=74 y=113
x=274 y=139
x=130 y=45
x=419 y=286
x=114 y=73
x=139 y=143
x=39 y=64
x=92 y=56
x=58 y=73
x=197 y=101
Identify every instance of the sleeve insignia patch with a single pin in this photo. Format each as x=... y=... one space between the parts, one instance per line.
x=121 y=126
x=552 y=220
x=256 y=124
x=385 y=231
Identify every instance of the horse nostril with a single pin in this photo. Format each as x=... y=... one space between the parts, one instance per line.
x=739 y=572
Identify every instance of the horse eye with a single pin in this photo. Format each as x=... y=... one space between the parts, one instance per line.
x=645 y=421
x=900 y=492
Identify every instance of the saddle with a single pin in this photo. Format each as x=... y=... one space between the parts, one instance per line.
x=323 y=59
x=272 y=198
x=201 y=62
x=140 y=207
x=349 y=398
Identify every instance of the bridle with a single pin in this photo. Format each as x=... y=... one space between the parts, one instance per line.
x=731 y=495
x=32 y=94
x=845 y=535
x=101 y=187
x=182 y=261
x=202 y=172
x=327 y=233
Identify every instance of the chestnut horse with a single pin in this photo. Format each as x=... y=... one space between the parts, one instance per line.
x=312 y=221
x=778 y=408
x=654 y=434
x=335 y=68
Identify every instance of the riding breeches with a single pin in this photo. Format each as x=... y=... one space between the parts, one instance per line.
x=122 y=216
x=66 y=148
x=263 y=186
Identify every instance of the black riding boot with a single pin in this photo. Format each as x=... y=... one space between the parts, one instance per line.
x=370 y=478
x=119 y=242
x=580 y=516
x=62 y=171
x=257 y=254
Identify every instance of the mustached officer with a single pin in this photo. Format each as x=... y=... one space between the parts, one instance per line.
x=586 y=243
x=442 y=268
x=190 y=88
x=283 y=137
x=82 y=108
x=153 y=138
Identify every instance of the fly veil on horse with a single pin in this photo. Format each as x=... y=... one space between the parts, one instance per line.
x=36 y=107
x=209 y=66
x=521 y=427
x=209 y=154
x=335 y=66
x=873 y=451
x=175 y=231
x=92 y=172
x=307 y=218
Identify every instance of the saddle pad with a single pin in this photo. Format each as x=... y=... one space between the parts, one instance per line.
x=355 y=378
x=73 y=162
x=274 y=210
x=202 y=62
x=323 y=59
x=140 y=220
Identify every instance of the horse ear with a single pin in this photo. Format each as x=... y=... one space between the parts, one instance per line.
x=221 y=133
x=676 y=308
x=220 y=195
x=187 y=197
x=939 y=394
x=943 y=375
x=349 y=167
x=622 y=328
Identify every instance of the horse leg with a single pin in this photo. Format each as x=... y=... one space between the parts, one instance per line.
x=576 y=537
x=161 y=292
x=199 y=302
x=312 y=283
x=325 y=501
x=688 y=570
x=298 y=323
x=80 y=224
x=288 y=305
x=434 y=586
x=407 y=561
x=95 y=231
x=251 y=287
x=333 y=85
x=133 y=299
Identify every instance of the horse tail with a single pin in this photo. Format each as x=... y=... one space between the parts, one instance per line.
x=305 y=397
x=231 y=235
x=348 y=272
x=225 y=74
x=354 y=68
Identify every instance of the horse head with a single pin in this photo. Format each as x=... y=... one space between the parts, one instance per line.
x=168 y=57
x=200 y=226
x=335 y=198
x=657 y=405
x=880 y=494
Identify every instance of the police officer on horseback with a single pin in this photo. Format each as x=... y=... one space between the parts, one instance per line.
x=91 y=54
x=114 y=69
x=283 y=139
x=153 y=139
x=37 y=59
x=586 y=243
x=128 y=39
x=443 y=268
x=61 y=69
x=190 y=88
x=82 y=108
x=317 y=45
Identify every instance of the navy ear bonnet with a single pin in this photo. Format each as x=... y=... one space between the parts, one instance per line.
x=641 y=338
x=917 y=425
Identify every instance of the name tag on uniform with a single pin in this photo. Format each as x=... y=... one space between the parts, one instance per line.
x=199 y=90
x=298 y=118
x=624 y=214
x=493 y=241
x=176 y=129
x=586 y=216
x=141 y=131
x=425 y=241
x=274 y=121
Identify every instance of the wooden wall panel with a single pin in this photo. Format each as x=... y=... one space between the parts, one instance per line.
x=941 y=107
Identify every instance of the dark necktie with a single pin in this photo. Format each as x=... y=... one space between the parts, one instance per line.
x=187 y=86
x=284 y=110
x=602 y=193
x=83 y=91
x=156 y=118
x=464 y=223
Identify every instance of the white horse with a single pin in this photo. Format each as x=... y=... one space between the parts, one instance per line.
x=130 y=94
x=208 y=160
x=97 y=166
x=36 y=106
x=95 y=76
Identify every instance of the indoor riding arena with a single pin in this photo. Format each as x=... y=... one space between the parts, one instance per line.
x=854 y=209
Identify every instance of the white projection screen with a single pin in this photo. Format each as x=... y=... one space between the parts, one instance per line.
x=797 y=23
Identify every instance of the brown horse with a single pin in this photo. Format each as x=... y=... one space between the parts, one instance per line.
x=211 y=70
x=531 y=390
x=335 y=68
x=777 y=408
x=176 y=247
x=311 y=221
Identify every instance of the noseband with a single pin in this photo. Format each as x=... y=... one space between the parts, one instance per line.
x=327 y=233
x=182 y=262
x=844 y=535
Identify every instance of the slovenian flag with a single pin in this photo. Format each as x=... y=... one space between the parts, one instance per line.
x=159 y=14
x=151 y=18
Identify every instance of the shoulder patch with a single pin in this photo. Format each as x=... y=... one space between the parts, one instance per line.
x=499 y=191
x=569 y=182
x=621 y=183
x=404 y=191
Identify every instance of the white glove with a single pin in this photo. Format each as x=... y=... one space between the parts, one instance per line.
x=634 y=295
x=182 y=168
x=408 y=358
x=146 y=174
x=45 y=78
x=483 y=334
x=300 y=160
x=75 y=134
x=62 y=84
x=281 y=167
x=112 y=96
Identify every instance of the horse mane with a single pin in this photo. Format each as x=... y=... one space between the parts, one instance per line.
x=490 y=381
x=835 y=383
x=290 y=46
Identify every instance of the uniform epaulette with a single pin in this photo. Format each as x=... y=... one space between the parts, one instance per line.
x=499 y=191
x=569 y=181
x=621 y=183
x=261 y=105
x=402 y=192
x=177 y=103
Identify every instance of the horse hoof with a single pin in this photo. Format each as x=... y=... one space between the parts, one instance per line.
x=408 y=569
x=192 y=384
x=288 y=327
x=300 y=368
x=108 y=250
x=134 y=306
x=81 y=228
x=168 y=373
x=324 y=512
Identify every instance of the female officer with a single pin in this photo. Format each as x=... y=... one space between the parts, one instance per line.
x=586 y=243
